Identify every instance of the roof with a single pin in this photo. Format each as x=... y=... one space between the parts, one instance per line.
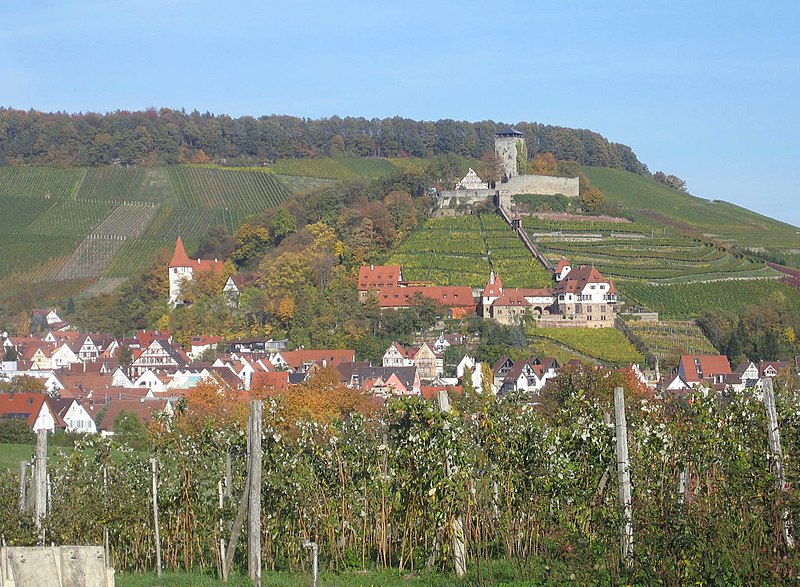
x=181 y=259
x=561 y=264
x=507 y=131
x=379 y=276
x=276 y=379
x=406 y=375
x=512 y=297
x=699 y=367
x=494 y=286
x=243 y=280
x=577 y=279
x=335 y=357
x=449 y=295
x=142 y=408
x=26 y=406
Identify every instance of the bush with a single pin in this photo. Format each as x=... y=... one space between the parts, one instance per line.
x=14 y=431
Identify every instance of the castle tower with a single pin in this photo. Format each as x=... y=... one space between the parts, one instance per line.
x=505 y=145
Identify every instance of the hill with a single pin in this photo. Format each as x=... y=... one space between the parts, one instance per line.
x=66 y=230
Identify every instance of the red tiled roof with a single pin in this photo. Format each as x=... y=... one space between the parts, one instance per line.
x=494 y=286
x=710 y=365
x=27 y=405
x=379 y=276
x=296 y=359
x=561 y=264
x=276 y=379
x=181 y=259
x=577 y=279
x=449 y=295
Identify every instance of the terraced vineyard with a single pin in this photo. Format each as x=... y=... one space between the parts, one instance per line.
x=444 y=251
x=684 y=301
x=510 y=259
x=251 y=191
x=642 y=254
x=69 y=227
x=664 y=337
x=651 y=203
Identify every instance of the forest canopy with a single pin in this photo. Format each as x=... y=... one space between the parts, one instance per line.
x=165 y=136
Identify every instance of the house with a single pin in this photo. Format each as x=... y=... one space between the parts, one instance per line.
x=159 y=354
x=429 y=364
x=256 y=345
x=471 y=181
x=145 y=409
x=182 y=269
x=584 y=297
x=704 y=369
x=44 y=318
x=75 y=416
x=236 y=284
x=673 y=383
x=396 y=356
x=457 y=299
x=464 y=364
x=390 y=380
x=301 y=359
x=377 y=278
x=771 y=368
x=36 y=409
x=201 y=344
x=445 y=341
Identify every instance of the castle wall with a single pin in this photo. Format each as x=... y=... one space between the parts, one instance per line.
x=540 y=185
x=465 y=196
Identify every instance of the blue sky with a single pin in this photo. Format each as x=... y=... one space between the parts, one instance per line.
x=709 y=91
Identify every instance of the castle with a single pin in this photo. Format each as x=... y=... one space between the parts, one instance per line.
x=509 y=145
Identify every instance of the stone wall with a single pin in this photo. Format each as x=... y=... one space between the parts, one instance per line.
x=540 y=185
x=464 y=196
x=506 y=149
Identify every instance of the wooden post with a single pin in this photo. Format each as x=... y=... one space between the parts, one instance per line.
x=457 y=544
x=223 y=570
x=236 y=530
x=40 y=473
x=23 y=484
x=228 y=474
x=774 y=434
x=624 y=477
x=154 y=465
x=254 y=513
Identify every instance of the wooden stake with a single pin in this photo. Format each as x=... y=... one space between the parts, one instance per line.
x=236 y=530
x=41 y=478
x=154 y=465
x=624 y=477
x=254 y=514
x=457 y=544
x=23 y=484
x=774 y=434
x=223 y=570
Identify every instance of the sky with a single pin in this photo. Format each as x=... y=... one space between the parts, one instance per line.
x=708 y=91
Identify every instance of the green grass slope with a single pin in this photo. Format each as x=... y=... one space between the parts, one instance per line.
x=647 y=199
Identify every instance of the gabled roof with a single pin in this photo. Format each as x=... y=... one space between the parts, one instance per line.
x=406 y=375
x=511 y=297
x=276 y=379
x=561 y=264
x=296 y=359
x=243 y=280
x=577 y=279
x=699 y=367
x=27 y=406
x=142 y=408
x=399 y=348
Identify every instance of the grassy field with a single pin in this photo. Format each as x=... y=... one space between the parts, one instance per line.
x=66 y=228
x=608 y=345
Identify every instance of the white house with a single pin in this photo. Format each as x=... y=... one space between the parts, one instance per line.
x=75 y=416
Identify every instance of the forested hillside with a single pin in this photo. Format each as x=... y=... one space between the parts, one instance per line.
x=169 y=136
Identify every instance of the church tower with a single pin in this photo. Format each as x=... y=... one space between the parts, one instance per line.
x=505 y=145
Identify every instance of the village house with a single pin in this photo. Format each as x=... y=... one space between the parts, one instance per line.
x=36 y=409
x=704 y=369
x=182 y=269
x=585 y=297
x=75 y=417
x=236 y=284
x=378 y=278
x=159 y=354
x=397 y=356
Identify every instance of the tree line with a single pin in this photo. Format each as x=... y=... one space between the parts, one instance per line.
x=165 y=136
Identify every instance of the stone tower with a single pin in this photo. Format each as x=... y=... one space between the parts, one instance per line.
x=505 y=145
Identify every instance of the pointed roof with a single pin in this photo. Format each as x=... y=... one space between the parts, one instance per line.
x=494 y=287
x=561 y=264
x=179 y=257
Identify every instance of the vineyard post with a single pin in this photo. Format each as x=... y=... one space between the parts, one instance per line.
x=459 y=549
x=223 y=570
x=254 y=515
x=774 y=434
x=23 y=469
x=40 y=478
x=154 y=466
x=624 y=477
